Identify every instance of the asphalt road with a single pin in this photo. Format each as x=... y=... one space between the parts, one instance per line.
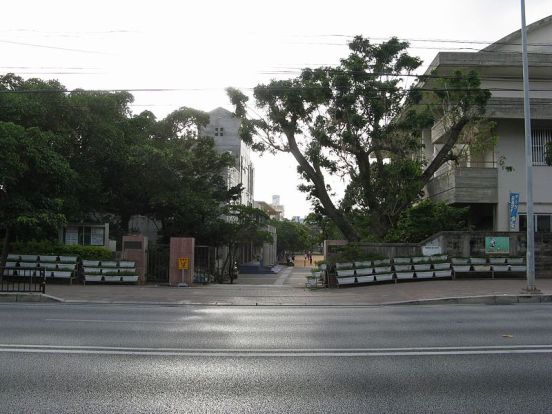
x=149 y=359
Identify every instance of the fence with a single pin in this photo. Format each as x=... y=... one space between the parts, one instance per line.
x=18 y=279
x=158 y=263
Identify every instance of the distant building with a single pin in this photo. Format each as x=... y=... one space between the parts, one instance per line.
x=298 y=219
x=224 y=128
x=277 y=206
x=268 y=209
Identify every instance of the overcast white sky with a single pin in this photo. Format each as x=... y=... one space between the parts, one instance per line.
x=205 y=46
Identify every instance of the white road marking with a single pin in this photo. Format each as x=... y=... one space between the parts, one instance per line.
x=285 y=353
x=118 y=321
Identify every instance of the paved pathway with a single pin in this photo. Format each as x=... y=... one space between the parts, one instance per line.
x=290 y=293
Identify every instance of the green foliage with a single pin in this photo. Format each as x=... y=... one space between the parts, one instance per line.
x=549 y=153
x=50 y=248
x=83 y=156
x=427 y=218
x=292 y=236
x=359 y=120
x=350 y=253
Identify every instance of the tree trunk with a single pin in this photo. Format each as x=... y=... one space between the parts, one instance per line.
x=441 y=157
x=317 y=179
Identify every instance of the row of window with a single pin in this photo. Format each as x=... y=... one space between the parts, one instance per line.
x=219 y=132
x=543 y=222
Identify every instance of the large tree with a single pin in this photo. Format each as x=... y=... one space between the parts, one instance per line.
x=359 y=120
x=118 y=164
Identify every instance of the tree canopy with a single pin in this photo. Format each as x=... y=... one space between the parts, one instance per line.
x=360 y=120
x=73 y=156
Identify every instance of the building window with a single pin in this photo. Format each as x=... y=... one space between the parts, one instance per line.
x=541 y=137
x=543 y=223
x=219 y=132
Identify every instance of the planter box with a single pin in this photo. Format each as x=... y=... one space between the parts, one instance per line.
x=384 y=277
x=382 y=269
x=364 y=272
x=461 y=268
x=401 y=260
x=316 y=274
x=405 y=275
x=126 y=263
x=345 y=280
x=422 y=267
x=424 y=275
x=323 y=267
x=344 y=266
x=516 y=260
x=14 y=257
x=481 y=268
x=478 y=260
x=345 y=273
x=49 y=266
x=382 y=262
x=360 y=265
x=59 y=274
x=403 y=267
x=443 y=273
x=66 y=267
x=460 y=261
x=422 y=259
x=497 y=260
x=28 y=258
x=501 y=268
x=134 y=279
x=108 y=263
x=518 y=268
x=92 y=270
x=68 y=259
x=365 y=279
x=439 y=258
x=441 y=266
x=93 y=278
x=48 y=259
x=91 y=263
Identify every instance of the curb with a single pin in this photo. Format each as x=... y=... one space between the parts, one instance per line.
x=27 y=297
x=478 y=300
x=462 y=300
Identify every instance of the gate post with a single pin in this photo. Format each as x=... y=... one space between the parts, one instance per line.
x=181 y=261
x=135 y=248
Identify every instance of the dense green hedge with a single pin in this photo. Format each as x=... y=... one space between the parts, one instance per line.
x=48 y=248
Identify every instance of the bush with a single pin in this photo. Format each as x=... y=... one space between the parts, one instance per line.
x=48 y=248
x=427 y=218
x=352 y=253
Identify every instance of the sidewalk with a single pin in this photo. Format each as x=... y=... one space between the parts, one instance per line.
x=292 y=295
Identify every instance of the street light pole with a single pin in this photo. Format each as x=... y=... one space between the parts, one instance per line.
x=531 y=287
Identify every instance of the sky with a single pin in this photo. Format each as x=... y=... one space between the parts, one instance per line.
x=199 y=48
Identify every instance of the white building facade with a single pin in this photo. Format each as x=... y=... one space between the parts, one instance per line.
x=224 y=128
x=484 y=181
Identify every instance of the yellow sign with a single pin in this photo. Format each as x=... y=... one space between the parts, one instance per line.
x=183 y=263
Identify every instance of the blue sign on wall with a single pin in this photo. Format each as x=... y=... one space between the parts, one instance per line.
x=514 y=204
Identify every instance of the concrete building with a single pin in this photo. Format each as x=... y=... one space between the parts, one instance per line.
x=484 y=181
x=277 y=206
x=224 y=128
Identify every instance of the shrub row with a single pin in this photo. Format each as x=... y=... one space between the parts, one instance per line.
x=49 y=248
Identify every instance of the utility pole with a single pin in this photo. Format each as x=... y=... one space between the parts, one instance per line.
x=531 y=287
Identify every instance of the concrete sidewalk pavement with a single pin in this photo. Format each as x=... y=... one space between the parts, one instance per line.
x=484 y=291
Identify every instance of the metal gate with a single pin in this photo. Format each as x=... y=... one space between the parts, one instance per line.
x=204 y=264
x=18 y=279
x=158 y=263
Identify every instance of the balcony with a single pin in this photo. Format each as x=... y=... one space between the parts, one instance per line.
x=465 y=185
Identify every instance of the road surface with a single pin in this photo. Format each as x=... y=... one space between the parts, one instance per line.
x=60 y=358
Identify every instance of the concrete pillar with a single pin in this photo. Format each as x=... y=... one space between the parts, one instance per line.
x=135 y=248
x=181 y=256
